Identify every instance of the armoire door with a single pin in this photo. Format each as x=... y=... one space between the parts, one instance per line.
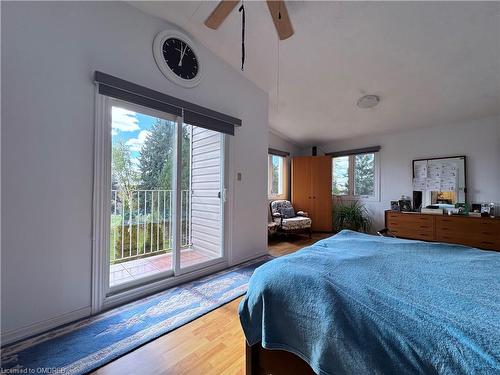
x=321 y=191
x=301 y=183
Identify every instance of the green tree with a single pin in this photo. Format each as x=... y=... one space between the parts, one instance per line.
x=124 y=177
x=364 y=174
x=157 y=157
x=275 y=163
x=186 y=157
x=340 y=179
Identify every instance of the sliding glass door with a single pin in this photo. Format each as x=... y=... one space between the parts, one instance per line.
x=166 y=190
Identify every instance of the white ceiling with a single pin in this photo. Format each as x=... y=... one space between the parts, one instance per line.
x=430 y=62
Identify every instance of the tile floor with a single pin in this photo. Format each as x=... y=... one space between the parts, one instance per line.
x=139 y=268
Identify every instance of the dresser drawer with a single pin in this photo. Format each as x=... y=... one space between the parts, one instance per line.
x=409 y=218
x=456 y=225
x=478 y=229
x=483 y=233
x=413 y=234
x=487 y=244
x=482 y=243
x=489 y=229
x=421 y=226
x=413 y=226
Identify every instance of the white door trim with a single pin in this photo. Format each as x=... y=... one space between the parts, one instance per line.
x=102 y=171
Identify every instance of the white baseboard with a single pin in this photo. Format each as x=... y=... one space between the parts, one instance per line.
x=251 y=257
x=40 y=327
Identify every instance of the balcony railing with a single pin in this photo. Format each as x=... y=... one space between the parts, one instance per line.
x=141 y=223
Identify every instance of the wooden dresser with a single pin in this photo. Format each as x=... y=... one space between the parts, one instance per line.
x=472 y=231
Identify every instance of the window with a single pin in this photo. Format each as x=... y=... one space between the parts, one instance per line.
x=276 y=176
x=340 y=167
x=356 y=176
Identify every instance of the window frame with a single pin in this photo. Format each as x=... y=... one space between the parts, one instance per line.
x=351 y=170
x=283 y=181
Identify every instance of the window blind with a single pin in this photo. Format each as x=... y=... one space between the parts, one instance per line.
x=366 y=150
x=273 y=151
x=193 y=114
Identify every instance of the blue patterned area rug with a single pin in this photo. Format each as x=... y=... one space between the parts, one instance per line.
x=85 y=345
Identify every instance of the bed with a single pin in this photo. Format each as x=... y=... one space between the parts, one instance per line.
x=361 y=304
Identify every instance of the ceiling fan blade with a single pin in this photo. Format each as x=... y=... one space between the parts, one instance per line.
x=220 y=13
x=281 y=20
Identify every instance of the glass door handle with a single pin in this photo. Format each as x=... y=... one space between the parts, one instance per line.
x=223 y=195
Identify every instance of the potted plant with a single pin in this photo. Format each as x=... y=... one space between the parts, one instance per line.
x=352 y=215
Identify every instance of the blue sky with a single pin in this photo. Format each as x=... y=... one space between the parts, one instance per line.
x=132 y=128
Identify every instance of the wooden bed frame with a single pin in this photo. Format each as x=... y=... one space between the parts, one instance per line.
x=260 y=361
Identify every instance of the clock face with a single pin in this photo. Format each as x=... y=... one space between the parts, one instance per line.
x=180 y=58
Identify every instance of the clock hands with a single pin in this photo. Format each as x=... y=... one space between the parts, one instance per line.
x=183 y=52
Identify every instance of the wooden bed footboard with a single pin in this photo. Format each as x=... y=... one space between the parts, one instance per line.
x=260 y=361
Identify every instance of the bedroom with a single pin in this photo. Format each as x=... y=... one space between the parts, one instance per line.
x=79 y=78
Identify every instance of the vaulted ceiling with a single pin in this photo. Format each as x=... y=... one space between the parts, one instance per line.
x=431 y=63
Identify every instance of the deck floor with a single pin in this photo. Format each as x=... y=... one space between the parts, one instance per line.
x=139 y=268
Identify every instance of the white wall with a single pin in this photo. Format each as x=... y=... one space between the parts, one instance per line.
x=281 y=143
x=478 y=140
x=49 y=54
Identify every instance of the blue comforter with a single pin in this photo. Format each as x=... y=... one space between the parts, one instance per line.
x=361 y=304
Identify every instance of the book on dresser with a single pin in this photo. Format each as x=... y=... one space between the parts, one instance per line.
x=480 y=232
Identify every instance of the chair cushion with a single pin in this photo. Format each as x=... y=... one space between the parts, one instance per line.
x=287 y=212
x=283 y=207
x=297 y=222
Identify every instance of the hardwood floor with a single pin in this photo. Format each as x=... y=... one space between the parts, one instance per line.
x=211 y=344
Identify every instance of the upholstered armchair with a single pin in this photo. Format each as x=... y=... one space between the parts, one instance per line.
x=289 y=221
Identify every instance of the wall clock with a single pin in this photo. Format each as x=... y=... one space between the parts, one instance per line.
x=177 y=57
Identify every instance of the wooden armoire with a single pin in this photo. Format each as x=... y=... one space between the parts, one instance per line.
x=312 y=189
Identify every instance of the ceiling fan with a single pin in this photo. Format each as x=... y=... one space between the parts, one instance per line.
x=277 y=8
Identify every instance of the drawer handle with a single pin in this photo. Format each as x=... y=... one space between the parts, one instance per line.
x=423 y=218
x=487 y=233
x=446 y=220
x=445 y=228
x=424 y=226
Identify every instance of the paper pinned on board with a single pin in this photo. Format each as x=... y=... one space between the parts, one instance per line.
x=436 y=177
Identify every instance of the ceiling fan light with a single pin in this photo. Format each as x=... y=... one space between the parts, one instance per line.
x=368 y=101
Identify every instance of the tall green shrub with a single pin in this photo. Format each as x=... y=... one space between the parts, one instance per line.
x=128 y=236
x=154 y=232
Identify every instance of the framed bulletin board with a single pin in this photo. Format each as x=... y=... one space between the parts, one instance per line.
x=441 y=180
